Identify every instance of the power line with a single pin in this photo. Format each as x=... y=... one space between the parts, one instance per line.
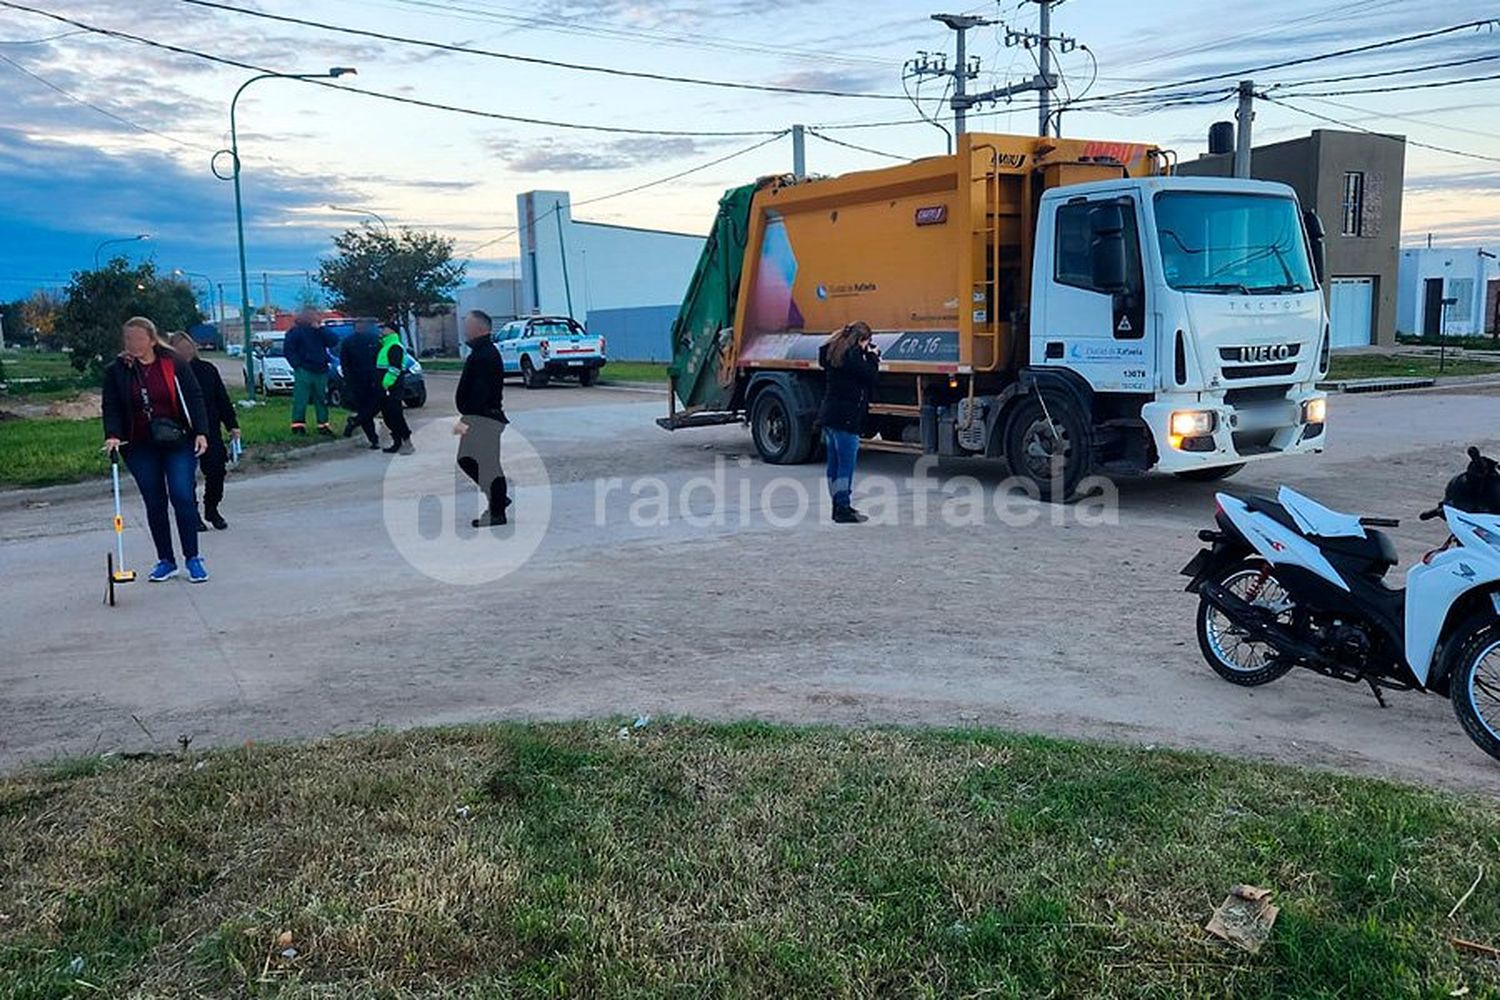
x=537 y=60
x=563 y=24
x=632 y=190
x=850 y=145
x=1392 y=72
x=1429 y=85
x=1383 y=135
x=381 y=95
x=1304 y=60
x=96 y=108
x=1407 y=118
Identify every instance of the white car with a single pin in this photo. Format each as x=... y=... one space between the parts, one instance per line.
x=273 y=373
x=539 y=347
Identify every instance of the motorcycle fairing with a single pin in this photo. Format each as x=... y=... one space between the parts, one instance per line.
x=1315 y=519
x=1276 y=543
x=1435 y=585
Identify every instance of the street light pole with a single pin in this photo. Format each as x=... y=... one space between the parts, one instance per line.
x=239 y=208
x=363 y=211
x=123 y=239
x=208 y=284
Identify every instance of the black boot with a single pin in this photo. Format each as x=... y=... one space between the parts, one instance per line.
x=349 y=427
x=212 y=515
x=848 y=515
x=395 y=447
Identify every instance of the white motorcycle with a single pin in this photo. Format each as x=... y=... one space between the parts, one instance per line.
x=1290 y=583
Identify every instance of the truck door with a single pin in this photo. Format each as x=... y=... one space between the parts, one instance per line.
x=1092 y=317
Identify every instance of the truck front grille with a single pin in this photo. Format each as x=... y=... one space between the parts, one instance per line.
x=1260 y=371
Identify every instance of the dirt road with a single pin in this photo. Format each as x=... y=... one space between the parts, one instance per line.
x=668 y=593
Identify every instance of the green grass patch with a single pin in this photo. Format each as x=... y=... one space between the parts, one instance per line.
x=693 y=860
x=1347 y=366
x=634 y=371
x=38 y=364
x=44 y=452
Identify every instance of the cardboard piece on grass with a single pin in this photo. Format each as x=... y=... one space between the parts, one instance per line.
x=1245 y=917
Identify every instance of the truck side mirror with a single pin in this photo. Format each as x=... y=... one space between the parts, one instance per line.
x=1317 y=243
x=1107 y=249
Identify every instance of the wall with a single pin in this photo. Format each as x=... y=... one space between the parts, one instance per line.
x=500 y=297
x=1474 y=315
x=632 y=279
x=1314 y=167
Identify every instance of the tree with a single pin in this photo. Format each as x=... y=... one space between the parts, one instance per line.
x=99 y=302
x=391 y=276
x=40 y=313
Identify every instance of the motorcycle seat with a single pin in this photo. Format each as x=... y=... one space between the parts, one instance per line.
x=1374 y=552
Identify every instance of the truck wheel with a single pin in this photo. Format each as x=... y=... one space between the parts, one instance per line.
x=1054 y=454
x=1210 y=475
x=530 y=377
x=781 y=437
x=588 y=377
x=335 y=396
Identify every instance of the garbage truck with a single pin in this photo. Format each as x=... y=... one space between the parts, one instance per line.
x=1067 y=306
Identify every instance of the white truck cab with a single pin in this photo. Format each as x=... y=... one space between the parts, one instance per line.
x=1201 y=297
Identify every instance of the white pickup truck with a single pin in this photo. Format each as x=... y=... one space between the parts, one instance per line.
x=540 y=347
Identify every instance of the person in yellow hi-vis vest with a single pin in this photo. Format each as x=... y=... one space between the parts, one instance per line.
x=390 y=363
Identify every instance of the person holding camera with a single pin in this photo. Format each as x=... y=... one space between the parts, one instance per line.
x=852 y=363
x=155 y=418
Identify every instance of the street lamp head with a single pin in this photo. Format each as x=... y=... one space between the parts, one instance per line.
x=338 y=71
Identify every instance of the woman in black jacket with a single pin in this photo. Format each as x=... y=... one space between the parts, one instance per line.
x=852 y=362
x=154 y=416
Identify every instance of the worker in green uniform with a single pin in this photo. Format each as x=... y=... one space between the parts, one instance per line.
x=390 y=363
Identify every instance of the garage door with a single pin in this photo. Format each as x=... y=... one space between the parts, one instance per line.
x=1352 y=304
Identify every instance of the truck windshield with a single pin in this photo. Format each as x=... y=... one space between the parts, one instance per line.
x=1232 y=244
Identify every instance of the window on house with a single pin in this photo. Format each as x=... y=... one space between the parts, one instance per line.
x=1354 y=203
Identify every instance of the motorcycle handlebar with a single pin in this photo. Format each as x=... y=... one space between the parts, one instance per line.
x=1428 y=515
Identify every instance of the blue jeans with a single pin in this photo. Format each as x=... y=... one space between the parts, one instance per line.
x=163 y=473
x=843 y=450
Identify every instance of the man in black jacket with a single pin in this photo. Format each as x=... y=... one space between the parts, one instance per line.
x=214 y=462
x=481 y=422
x=361 y=381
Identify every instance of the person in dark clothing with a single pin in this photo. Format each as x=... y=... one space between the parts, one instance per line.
x=214 y=463
x=852 y=362
x=361 y=380
x=390 y=364
x=306 y=350
x=154 y=415
x=480 y=399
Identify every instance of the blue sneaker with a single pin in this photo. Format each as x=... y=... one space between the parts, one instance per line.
x=164 y=570
x=197 y=572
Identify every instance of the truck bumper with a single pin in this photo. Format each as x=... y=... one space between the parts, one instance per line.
x=1244 y=433
x=566 y=365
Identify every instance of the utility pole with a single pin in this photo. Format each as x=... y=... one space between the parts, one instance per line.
x=265 y=301
x=967 y=68
x=1246 y=116
x=222 y=314
x=799 y=152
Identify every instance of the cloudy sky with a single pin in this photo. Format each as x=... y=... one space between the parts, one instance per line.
x=103 y=137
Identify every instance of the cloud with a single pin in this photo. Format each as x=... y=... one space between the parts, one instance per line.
x=1479 y=182
x=849 y=79
x=552 y=156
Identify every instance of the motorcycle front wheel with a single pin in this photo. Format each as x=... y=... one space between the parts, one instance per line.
x=1474 y=682
x=1226 y=646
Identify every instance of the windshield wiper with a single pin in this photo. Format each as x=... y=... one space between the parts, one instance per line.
x=1219 y=286
x=1277 y=289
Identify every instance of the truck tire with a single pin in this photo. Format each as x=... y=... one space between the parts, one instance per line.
x=530 y=377
x=335 y=395
x=588 y=377
x=781 y=436
x=1033 y=445
x=1210 y=475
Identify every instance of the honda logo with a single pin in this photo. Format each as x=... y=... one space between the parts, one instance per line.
x=1264 y=353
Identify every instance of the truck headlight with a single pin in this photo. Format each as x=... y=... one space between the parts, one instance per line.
x=1192 y=423
x=1314 y=411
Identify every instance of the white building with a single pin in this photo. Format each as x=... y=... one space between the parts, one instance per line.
x=622 y=282
x=1427 y=276
x=499 y=297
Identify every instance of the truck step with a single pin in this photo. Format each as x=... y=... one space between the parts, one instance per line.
x=899 y=447
x=681 y=421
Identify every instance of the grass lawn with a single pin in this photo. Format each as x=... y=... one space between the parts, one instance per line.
x=44 y=452
x=692 y=861
x=1344 y=366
